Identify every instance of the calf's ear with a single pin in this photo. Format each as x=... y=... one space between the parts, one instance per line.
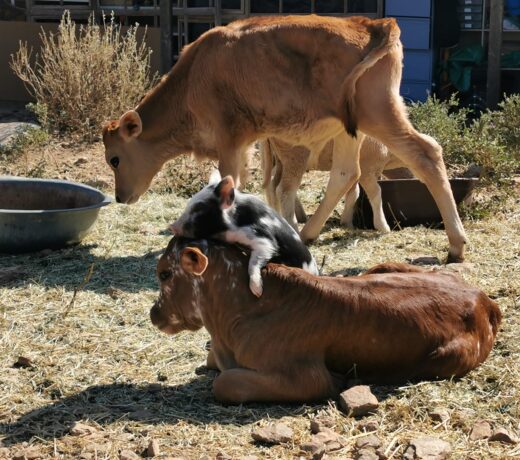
x=226 y=192
x=193 y=261
x=130 y=125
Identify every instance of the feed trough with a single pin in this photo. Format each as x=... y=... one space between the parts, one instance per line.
x=38 y=214
x=407 y=202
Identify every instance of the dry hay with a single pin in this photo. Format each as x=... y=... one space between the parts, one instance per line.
x=97 y=359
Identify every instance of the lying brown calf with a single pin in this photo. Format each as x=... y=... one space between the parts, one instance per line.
x=306 y=335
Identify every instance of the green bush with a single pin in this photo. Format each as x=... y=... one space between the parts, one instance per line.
x=491 y=141
x=85 y=74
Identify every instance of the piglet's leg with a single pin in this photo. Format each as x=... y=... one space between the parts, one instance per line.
x=236 y=386
x=262 y=251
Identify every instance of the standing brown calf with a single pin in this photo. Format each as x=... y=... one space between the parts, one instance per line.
x=284 y=168
x=301 y=79
x=306 y=335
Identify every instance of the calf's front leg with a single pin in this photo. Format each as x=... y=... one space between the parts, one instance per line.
x=236 y=386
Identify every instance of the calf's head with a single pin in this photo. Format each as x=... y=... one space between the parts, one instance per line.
x=204 y=215
x=180 y=271
x=133 y=160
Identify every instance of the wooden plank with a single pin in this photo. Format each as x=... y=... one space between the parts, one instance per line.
x=166 y=36
x=494 y=53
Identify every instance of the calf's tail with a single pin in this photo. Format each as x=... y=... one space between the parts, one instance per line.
x=390 y=32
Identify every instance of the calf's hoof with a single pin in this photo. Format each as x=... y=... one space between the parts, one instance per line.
x=454 y=259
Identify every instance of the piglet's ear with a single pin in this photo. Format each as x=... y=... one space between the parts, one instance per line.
x=215 y=177
x=130 y=125
x=193 y=261
x=225 y=190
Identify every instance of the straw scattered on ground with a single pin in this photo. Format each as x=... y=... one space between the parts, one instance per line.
x=95 y=358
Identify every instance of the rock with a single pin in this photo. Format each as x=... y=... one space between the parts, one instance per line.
x=153 y=448
x=366 y=454
x=128 y=455
x=30 y=453
x=81 y=429
x=368 y=425
x=22 y=361
x=8 y=274
x=80 y=161
x=500 y=434
x=427 y=448
x=315 y=448
x=368 y=441
x=426 y=260
x=321 y=424
x=249 y=457
x=114 y=292
x=358 y=401
x=273 y=434
x=480 y=430
x=223 y=456
x=463 y=267
x=439 y=414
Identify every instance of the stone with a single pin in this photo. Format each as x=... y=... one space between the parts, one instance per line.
x=322 y=423
x=22 y=361
x=80 y=161
x=30 y=453
x=366 y=454
x=427 y=448
x=8 y=274
x=81 y=429
x=500 y=434
x=315 y=448
x=480 y=430
x=425 y=260
x=128 y=455
x=273 y=434
x=223 y=456
x=439 y=414
x=153 y=448
x=368 y=441
x=358 y=401
x=114 y=292
x=368 y=425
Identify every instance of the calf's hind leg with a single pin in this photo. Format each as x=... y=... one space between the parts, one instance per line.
x=236 y=386
x=422 y=154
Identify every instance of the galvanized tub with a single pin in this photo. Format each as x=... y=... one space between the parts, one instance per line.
x=38 y=214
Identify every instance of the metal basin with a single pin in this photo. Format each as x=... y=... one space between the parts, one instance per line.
x=407 y=202
x=38 y=214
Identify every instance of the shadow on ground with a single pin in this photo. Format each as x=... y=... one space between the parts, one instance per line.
x=151 y=404
x=69 y=267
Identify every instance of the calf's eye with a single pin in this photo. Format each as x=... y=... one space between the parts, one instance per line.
x=114 y=161
x=163 y=276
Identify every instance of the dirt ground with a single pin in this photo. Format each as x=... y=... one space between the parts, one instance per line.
x=81 y=317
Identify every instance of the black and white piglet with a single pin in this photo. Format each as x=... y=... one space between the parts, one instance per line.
x=222 y=212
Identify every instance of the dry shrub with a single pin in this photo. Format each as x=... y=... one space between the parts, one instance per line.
x=491 y=141
x=85 y=74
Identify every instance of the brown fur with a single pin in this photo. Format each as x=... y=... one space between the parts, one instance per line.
x=301 y=79
x=306 y=335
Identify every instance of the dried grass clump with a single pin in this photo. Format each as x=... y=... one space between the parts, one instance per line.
x=85 y=74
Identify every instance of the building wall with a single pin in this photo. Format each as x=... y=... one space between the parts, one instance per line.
x=12 y=32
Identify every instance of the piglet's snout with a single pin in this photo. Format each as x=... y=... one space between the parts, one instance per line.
x=175 y=228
